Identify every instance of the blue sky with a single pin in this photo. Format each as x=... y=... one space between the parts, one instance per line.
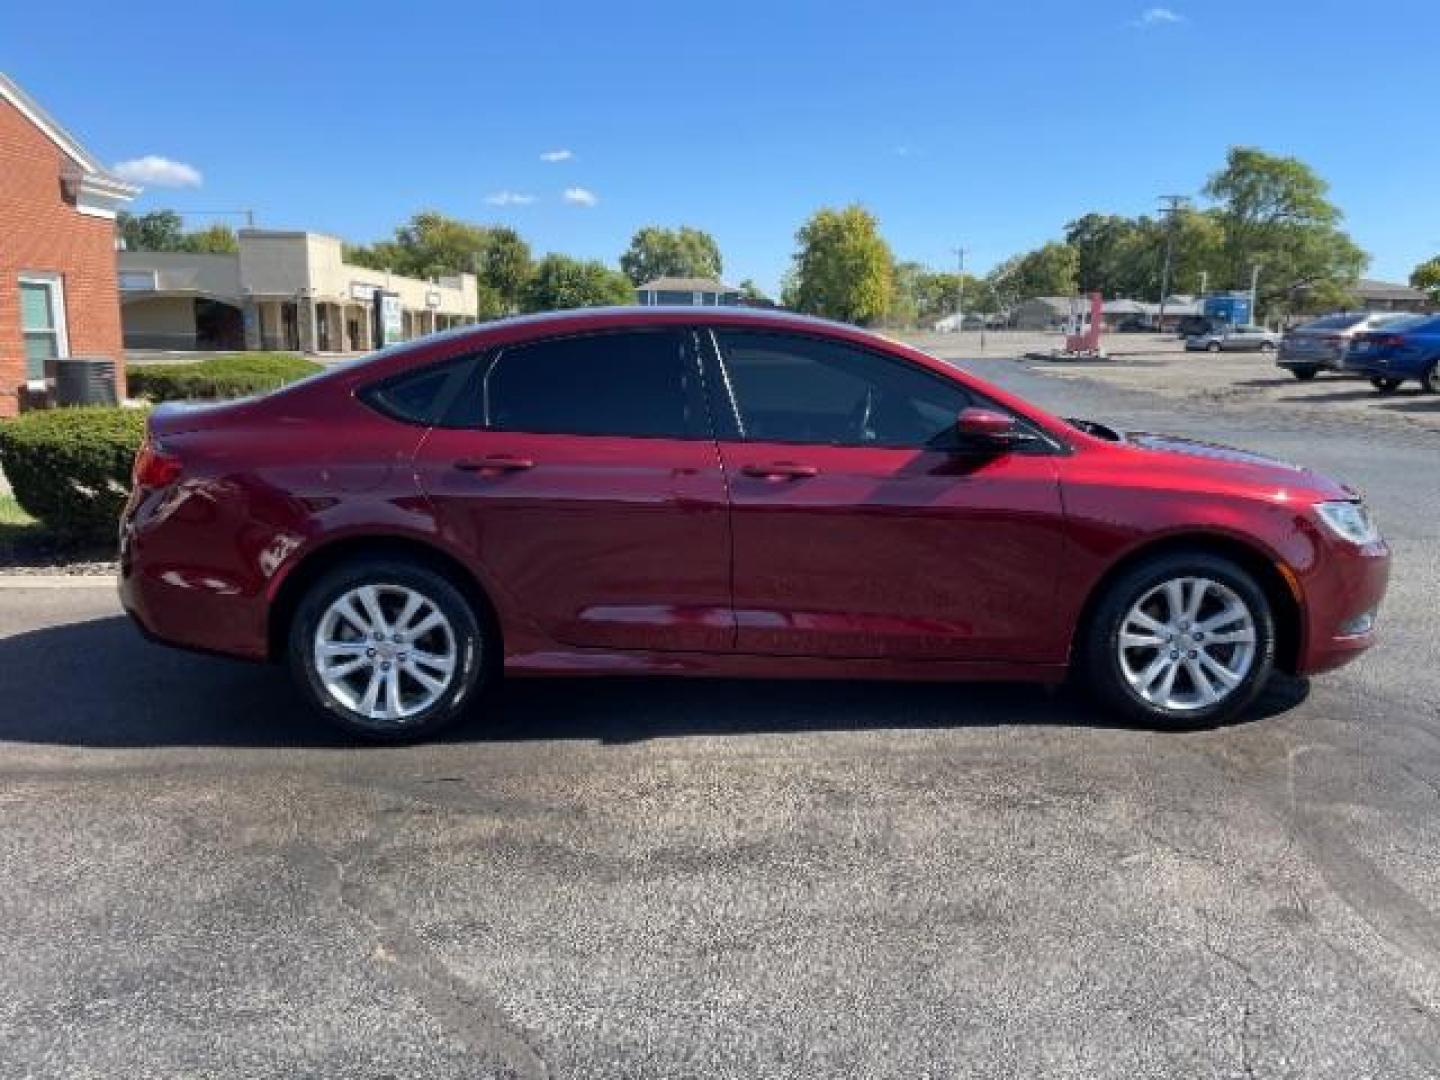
x=988 y=124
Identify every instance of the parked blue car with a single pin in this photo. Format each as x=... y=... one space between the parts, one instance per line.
x=1400 y=352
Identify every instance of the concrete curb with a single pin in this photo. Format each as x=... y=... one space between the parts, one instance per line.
x=56 y=581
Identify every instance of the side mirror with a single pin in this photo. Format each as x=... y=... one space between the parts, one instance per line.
x=986 y=427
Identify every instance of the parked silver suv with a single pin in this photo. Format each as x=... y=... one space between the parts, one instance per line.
x=1234 y=339
x=1320 y=345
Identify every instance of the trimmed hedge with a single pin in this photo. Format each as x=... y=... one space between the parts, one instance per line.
x=232 y=376
x=71 y=467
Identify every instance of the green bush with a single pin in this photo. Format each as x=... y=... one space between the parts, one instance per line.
x=71 y=467
x=232 y=376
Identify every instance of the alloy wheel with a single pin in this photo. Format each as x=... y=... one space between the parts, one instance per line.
x=385 y=652
x=1187 y=644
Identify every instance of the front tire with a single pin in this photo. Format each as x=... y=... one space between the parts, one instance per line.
x=1304 y=374
x=1430 y=381
x=387 y=650
x=1180 y=641
x=1214 y=346
x=1385 y=386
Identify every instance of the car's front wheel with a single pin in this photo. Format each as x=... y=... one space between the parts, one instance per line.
x=1181 y=641
x=1214 y=346
x=1385 y=385
x=1430 y=381
x=1304 y=374
x=387 y=650
x=1267 y=346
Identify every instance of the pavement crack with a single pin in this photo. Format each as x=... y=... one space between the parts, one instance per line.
x=466 y=1012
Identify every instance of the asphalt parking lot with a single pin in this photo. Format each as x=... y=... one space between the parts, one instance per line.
x=738 y=878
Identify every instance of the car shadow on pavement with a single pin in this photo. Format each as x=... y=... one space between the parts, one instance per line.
x=1422 y=403
x=99 y=684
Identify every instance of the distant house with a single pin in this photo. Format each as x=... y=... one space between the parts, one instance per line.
x=1387 y=296
x=696 y=292
x=58 y=295
x=1054 y=312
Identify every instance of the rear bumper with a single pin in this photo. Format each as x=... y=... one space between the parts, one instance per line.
x=1303 y=361
x=1343 y=588
x=1380 y=367
x=176 y=600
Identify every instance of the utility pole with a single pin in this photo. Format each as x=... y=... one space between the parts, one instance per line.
x=1254 y=282
x=960 y=292
x=1170 y=205
x=1204 y=281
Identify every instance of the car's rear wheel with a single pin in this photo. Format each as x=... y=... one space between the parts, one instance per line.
x=387 y=650
x=1386 y=385
x=1267 y=346
x=1304 y=374
x=1214 y=346
x=1430 y=381
x=1185 y=640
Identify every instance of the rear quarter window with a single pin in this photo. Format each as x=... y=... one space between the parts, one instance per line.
x=423 y=396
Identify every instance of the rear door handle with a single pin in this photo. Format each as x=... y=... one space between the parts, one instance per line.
x=780 y=470
x=494 y=463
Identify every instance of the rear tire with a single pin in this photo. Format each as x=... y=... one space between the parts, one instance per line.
x=387 y=650
x=1430 y=381
x=1385 y=386
x=1214 y=346
x=1185 y=659
x=1304 y=374
x=1267 y=347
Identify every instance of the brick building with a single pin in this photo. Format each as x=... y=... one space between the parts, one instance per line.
x=58 y=291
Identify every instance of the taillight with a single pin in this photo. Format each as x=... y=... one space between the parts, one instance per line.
x=154 y=468
x=1386 y=341
x=1332 y=339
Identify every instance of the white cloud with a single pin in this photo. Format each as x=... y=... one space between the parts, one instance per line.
x=509 y=198
x=557 y=155
x=1158 y=16
x=159 y=172
x=579 y=196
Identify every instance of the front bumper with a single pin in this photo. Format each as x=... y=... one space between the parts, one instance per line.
x=1347 y=584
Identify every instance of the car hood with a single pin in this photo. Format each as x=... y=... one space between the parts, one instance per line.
x=1246 y=465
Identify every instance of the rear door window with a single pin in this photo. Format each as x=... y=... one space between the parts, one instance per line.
x=642 y=384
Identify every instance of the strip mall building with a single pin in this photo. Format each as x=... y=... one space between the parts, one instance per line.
x=282 y=290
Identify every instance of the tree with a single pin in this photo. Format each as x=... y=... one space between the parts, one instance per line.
x=1427 y=276
x=750 y=291
x=1275 y=214
x=1047 y=271
x=843 y=268
x=432 y=245
x=1104 y=246
x=505 y=266
x=216 y=240
x=558 y=281
x=683 y=252
x=158 y=230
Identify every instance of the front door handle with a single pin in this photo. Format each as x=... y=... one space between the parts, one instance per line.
x=494 y=463
x=780 y=470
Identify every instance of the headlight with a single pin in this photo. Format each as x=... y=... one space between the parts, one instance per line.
x=1349 y=521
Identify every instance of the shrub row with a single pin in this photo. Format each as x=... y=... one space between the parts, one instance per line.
x=70 y=468
x=218 y=377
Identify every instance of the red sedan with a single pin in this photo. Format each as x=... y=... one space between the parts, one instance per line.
x=724 y=492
